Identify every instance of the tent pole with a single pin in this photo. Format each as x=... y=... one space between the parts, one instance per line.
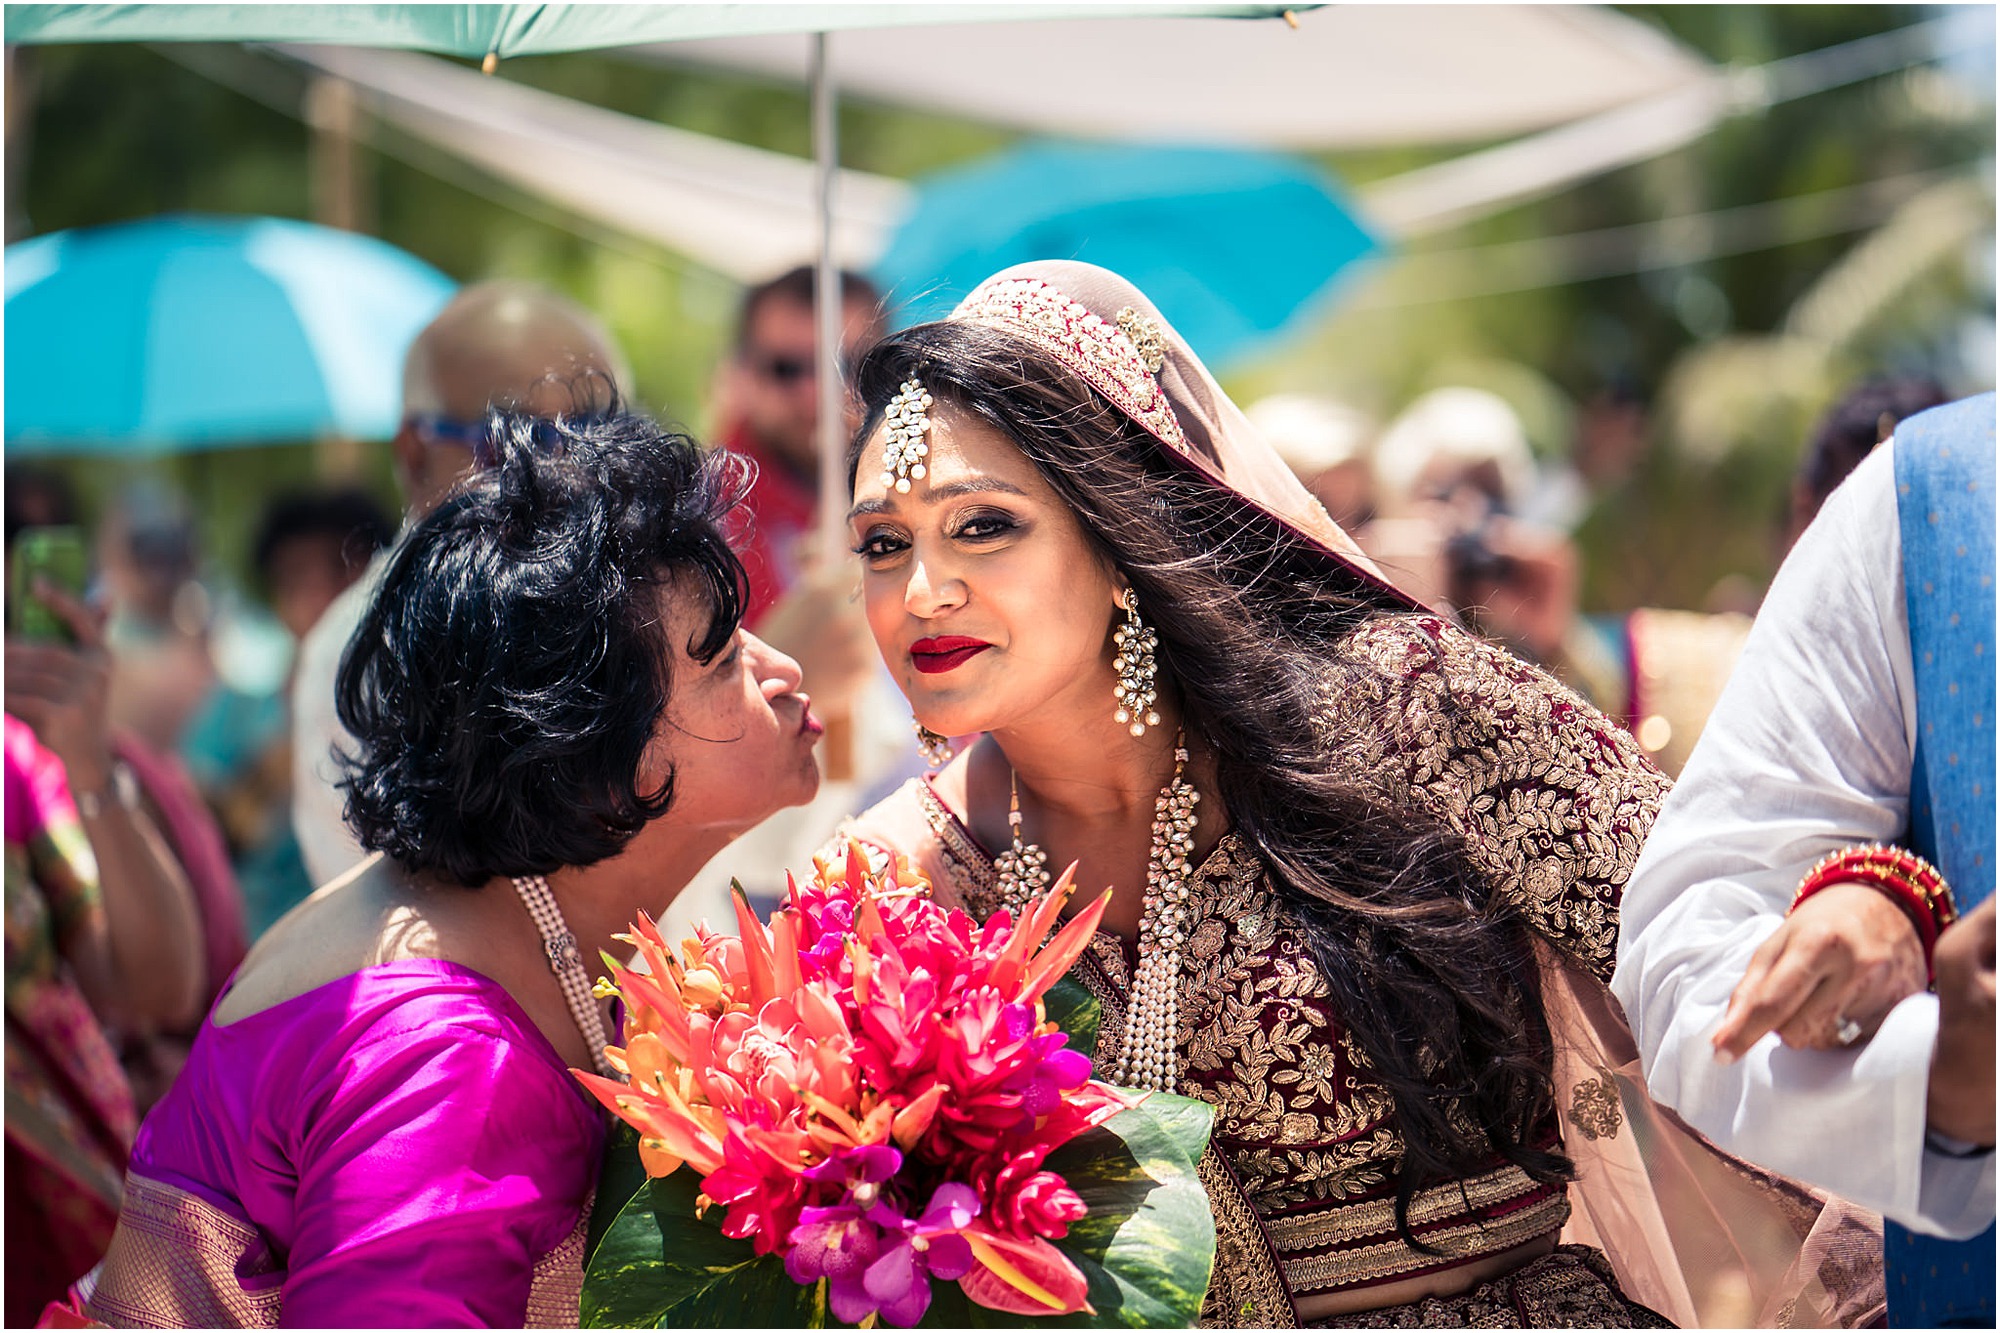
x=837 y=752
x=827 y=314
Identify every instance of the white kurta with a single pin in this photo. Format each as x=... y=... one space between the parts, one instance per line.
x=326 y=844
x=1809 y=750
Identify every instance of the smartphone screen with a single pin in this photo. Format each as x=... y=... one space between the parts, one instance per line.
x=57 y=555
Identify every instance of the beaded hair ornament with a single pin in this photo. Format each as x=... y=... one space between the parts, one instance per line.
x=907 y=419
x=1119 y=358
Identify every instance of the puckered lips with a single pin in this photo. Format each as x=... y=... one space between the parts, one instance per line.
x=945 y=653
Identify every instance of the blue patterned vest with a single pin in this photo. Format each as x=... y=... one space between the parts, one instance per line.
x=1944 y=502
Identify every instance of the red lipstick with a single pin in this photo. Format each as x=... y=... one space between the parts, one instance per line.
x=946 y=653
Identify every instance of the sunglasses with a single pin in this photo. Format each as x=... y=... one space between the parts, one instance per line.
x=782 y=369
x=433 y=428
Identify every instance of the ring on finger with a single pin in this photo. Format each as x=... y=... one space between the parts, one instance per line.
x=1846 y=1031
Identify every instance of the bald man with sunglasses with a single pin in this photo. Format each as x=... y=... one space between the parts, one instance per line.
x=767 y=411
x=497 y=344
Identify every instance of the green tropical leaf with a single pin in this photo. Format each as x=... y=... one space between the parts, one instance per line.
x=1071 y=1006
x=1148 y=1241
x=719 y=1282
x=1186 y=1120
x=620 y=1175
x=757 y=1294
x=625 y=1283
x=660 y=1265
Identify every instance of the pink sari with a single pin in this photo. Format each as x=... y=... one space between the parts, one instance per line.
x=70 y=1116
x=400 y=1147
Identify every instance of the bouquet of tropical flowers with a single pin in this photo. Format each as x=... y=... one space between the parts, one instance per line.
x=886 y=1124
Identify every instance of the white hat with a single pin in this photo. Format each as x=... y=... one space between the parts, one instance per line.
x=1459 y=425
x=1311 y=433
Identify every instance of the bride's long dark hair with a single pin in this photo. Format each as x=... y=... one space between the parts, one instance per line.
x=1434 y=975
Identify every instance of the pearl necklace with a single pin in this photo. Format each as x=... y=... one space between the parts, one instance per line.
x=566 y=961
x=1152 y=1018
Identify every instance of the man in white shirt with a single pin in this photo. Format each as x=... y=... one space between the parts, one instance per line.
x=1830 y=1061
x=498 y=344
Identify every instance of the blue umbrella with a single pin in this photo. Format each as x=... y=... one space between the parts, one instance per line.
x=1230 y=244
x=197 y=332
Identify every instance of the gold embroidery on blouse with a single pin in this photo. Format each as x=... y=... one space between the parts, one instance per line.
x=971 y=872
x=1102 y=971
x=1260 y=1041
x=1553 y=799
x=1594 y=1107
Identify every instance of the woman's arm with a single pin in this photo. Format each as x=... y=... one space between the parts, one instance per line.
x=1554 y=800
x=444 y=1164
x=139 y=959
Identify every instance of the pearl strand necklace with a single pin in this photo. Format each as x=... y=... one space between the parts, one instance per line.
x=1152 y=1018
x=566 y=961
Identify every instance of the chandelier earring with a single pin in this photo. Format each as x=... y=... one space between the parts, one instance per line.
x=1136 y=668
x=1022 y=870
x=935 y=749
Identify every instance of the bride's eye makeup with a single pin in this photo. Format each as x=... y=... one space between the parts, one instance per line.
x=879 y=544
x=985 y=525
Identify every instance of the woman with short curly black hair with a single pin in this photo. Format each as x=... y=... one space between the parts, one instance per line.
x=559 y=720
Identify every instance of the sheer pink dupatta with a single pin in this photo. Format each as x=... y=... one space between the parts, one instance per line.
x=1704 y=1238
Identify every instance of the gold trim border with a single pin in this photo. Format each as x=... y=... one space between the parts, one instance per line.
x=1392 y=1258
x=1378 y=1216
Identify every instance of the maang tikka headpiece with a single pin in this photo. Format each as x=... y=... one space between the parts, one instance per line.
x=908 y=420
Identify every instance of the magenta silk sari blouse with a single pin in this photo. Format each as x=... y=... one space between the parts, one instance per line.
x=404 y=1139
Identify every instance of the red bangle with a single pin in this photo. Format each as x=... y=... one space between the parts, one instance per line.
x=1912 y=882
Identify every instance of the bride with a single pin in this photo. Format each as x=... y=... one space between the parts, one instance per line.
x=1366 y=867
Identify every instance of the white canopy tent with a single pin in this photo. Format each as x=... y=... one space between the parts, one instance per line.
x=1355 y=75
x=742 y=211
x=746 y=212
x=1345 y=76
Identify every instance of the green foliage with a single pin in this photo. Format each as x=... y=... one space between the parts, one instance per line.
x=1147 y=1244
x=661 y=1266
x=1071 y=1007
x=619 y=1176
x=1679 y=525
